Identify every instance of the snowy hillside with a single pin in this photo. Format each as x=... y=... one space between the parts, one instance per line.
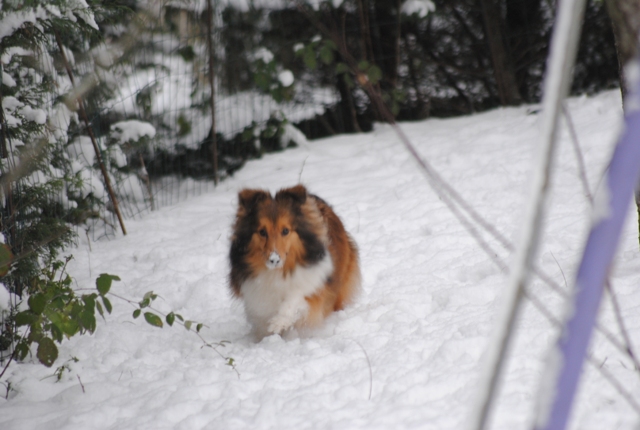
x=406 y=355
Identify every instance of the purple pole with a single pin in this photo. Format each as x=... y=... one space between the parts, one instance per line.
x=610 y=208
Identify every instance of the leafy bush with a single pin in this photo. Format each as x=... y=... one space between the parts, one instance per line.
x=56 y=312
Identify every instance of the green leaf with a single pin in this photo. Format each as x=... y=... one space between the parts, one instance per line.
x=56 y=265
x=153 y=319
x=145 y=303
x=374 y=74
x=100 y=311
x=363 y=65
x=56 y=333
x=262 y=80
x=88 y=321
x=37 y=302
x=35 y=335
x=247 y=135
x=69 y=327
x=331 y=45
x=56 y=317
x=22 y=350
x=58 y=302
x=136 y=313
x=179 y=317
x=107 y=304
x=309 y=59
x=25 y=318
x=90 y=302
x=103 y=283
x=198 y=327
x=326 y=55
x=47 y=351
x=171 y=317
x=277 y=95
x=76 y=310
x=341 y=68
x=187 y=324
x=6 y=258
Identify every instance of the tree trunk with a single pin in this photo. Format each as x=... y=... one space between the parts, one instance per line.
x=525 y=40
x=502 y=65
x=625 y=19
x=349 y=114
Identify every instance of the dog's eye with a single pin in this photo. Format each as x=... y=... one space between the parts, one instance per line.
x=263 y=232
x=285 y=231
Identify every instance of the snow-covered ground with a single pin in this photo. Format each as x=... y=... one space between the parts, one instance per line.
x=408 y=354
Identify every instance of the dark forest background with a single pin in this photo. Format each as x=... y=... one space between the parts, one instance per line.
x=464 y=56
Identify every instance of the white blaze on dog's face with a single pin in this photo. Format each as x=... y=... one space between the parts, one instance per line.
x=276 y=239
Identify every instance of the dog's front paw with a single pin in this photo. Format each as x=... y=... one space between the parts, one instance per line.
x=279 y=324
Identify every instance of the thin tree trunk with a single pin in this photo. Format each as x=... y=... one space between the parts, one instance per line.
x=212 y=101
x=94 y=142
x=625 y=20
x=502 y=65
x=394 y=80
x=365 y=32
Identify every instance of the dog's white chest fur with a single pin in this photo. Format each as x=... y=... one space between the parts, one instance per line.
x=275 y=303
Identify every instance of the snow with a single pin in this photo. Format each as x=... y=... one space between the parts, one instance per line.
x=81 y=148
x=286 y=78
x=14 y=50
x=5 y=300
x=601 y=203
x=60 y=120
x=132 y=130
x=263 y=54
x=11 y=21
x=407 y=354
x=419 y=7
x=10 y=105
x=81 y=8
x=547 y=392
x=167 y=87
x=35 y=115
x=8 y=80
x=292 y=134
x=118 y=156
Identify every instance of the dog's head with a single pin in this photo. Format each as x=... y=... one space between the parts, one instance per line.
x=271 y=228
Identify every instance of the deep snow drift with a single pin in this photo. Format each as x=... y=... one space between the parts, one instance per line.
x=415 y=337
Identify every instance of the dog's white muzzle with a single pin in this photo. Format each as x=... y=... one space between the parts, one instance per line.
x=274 y=261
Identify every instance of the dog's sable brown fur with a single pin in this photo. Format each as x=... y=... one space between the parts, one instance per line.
x=292 y=261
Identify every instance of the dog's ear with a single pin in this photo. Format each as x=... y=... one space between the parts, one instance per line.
x=297 y=194
x=248 y=198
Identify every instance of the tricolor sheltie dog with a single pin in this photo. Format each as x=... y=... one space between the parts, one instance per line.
x=292 y=262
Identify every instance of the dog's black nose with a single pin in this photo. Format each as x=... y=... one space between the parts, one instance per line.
x=274 y=259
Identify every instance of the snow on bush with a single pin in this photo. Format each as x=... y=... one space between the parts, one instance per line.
x=419 y=7
x=132 y=131
x=292 y=134
x=286 y=78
